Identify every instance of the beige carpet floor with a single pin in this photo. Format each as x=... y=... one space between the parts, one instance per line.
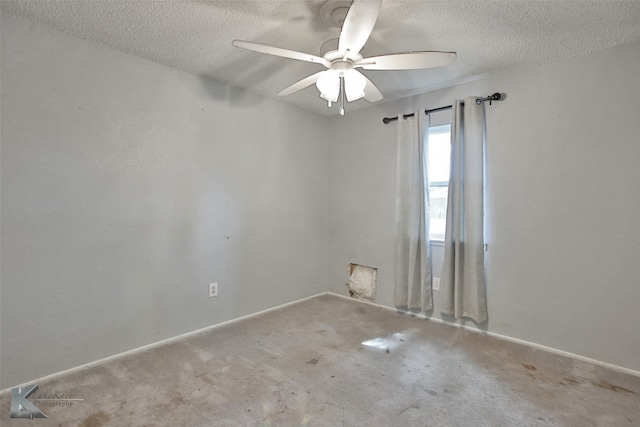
x=306 y=365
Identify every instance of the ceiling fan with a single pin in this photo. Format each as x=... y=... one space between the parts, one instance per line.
x=342 y=79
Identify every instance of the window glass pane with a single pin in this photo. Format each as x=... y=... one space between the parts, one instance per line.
x=438 y=212
x=439 y=155
x=438 y=170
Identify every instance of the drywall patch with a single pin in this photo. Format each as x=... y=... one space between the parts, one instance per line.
x=363 y=282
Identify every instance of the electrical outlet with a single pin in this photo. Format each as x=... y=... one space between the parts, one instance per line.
x=436 y=283
x=213 y=290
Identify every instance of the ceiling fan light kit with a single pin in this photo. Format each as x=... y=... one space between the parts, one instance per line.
x=342 y=79
x=329 y=85
x=354 y=84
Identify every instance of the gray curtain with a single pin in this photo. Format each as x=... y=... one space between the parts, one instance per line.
x=412 y=259
x=462 y=282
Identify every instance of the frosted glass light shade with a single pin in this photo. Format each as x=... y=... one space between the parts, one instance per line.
x=354 y=84
x=329 y=85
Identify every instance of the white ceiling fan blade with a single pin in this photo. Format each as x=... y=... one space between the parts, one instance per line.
x=284 y=53
x=408 y=61
x=302 y=84
x=357 y=26
x=371 y=92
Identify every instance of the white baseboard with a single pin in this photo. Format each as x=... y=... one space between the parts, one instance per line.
x=158 y=343
x=617 y=368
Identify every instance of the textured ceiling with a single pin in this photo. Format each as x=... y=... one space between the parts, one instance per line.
x=195 y=36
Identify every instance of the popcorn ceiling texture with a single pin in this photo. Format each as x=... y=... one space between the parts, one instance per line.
x=195 y=36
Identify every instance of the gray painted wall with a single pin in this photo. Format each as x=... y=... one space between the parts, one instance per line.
x=563 y=190
x=128 y=186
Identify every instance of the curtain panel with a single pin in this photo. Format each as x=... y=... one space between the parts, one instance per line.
x=412 y=288
x=462 y=284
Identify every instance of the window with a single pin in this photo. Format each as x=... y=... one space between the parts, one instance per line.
x=439 y=144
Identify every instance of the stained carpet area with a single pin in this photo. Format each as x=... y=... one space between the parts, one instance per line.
x=305 y=365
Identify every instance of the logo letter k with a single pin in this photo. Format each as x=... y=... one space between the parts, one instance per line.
x=21 y=407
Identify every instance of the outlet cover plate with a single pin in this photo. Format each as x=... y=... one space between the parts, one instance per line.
x=213 y=290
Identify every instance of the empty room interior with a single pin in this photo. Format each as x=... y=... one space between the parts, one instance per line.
x=235 y=213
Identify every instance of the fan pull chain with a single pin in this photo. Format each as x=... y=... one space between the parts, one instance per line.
x=341 y=95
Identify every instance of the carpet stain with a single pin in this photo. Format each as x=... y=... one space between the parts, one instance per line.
x=98 y=419
x=406 y=409
x=205 y=378
x=172 y=404
x=617 y=389
x=530 y=367
x=313 y=361
x=178 y=400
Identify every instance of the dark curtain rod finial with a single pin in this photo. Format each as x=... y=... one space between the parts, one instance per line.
x=495 y=97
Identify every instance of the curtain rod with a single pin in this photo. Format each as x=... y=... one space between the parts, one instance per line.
x=495 y=97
